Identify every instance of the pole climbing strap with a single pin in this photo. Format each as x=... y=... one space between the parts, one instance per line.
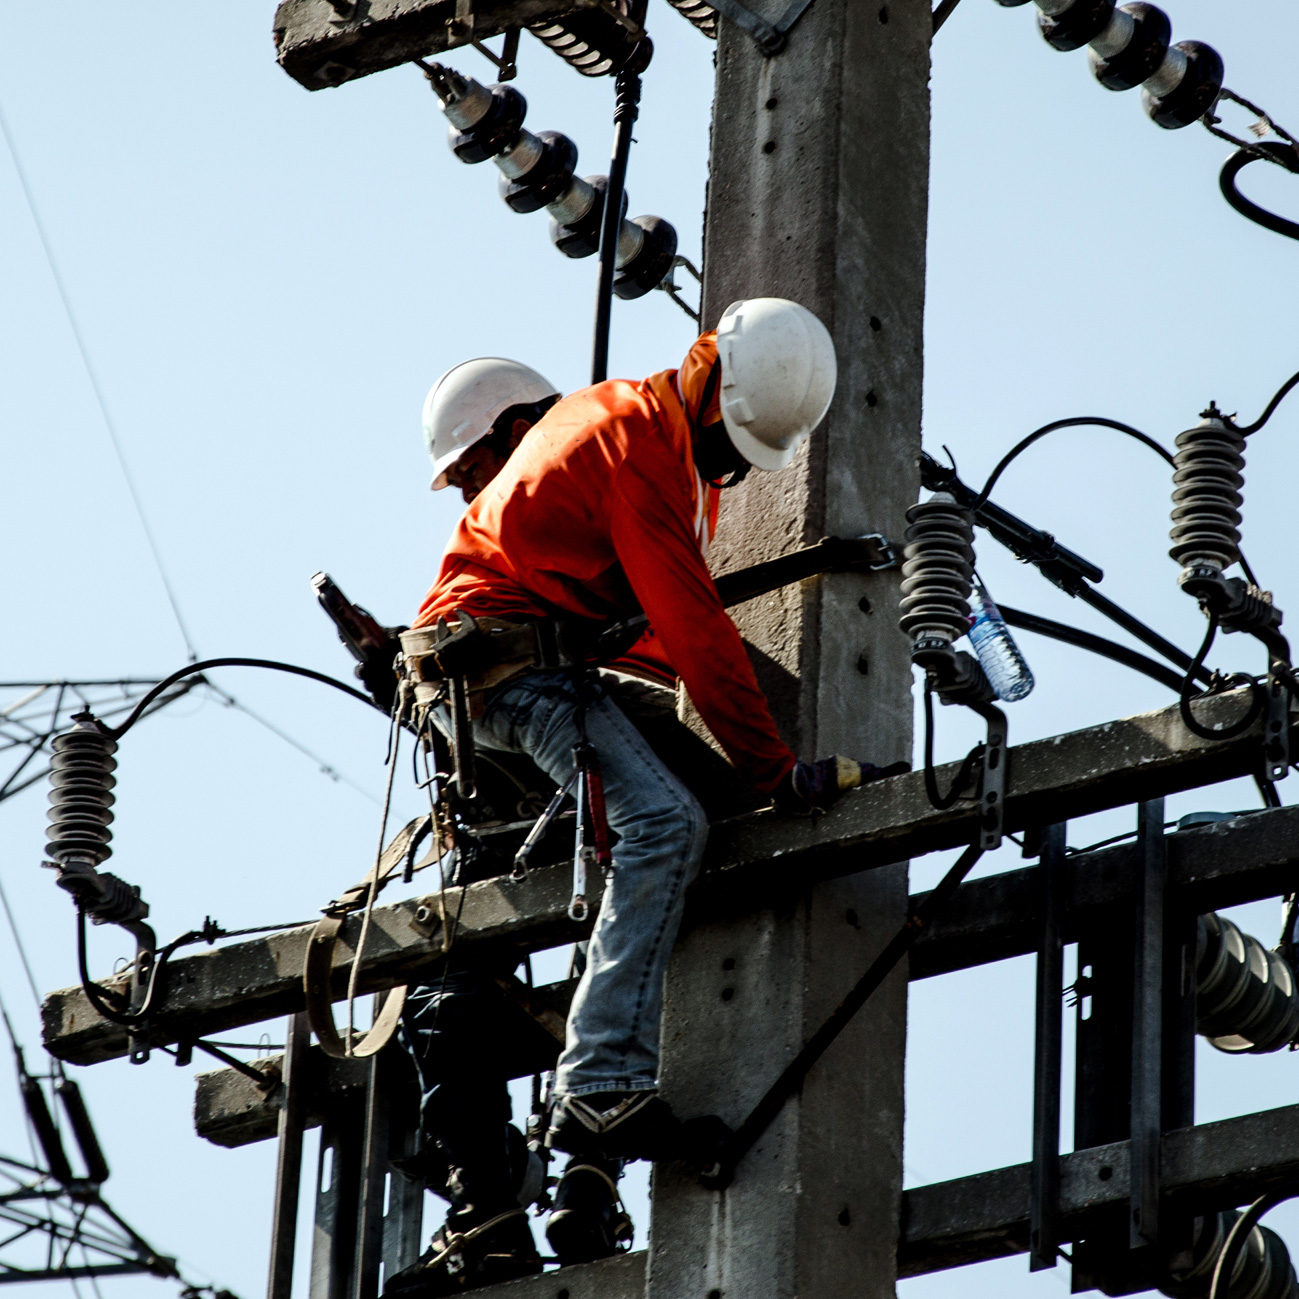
x=317 y=989
x=318 y=968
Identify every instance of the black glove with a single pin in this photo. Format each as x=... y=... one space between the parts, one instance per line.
x=811 y=787
x=377 y=673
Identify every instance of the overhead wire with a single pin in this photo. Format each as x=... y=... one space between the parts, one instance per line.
x=1246 y=429
x=1075 y=422
x=326 y=768
x=95 y=386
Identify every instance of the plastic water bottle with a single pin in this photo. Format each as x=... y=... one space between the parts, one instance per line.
x=996 y=648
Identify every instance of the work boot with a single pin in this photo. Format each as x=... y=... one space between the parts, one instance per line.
x=469 y=1250
x=631 y=1125
x=588 y=1220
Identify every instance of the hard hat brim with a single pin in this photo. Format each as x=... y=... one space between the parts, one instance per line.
x=759 y=454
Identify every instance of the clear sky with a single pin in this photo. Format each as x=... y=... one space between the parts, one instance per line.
x=267 y=281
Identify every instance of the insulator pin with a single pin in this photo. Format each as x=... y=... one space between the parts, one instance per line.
x=1247 y=1001
x=81 y=776
x=937 y=571
x=1208 y=478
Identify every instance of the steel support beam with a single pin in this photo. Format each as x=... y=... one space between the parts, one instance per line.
x=1212 y=1166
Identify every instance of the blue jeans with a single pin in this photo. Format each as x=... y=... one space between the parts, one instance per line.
x=613 y=1027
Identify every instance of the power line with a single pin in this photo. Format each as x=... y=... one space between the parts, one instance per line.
x=95 y=387
x=332 y=772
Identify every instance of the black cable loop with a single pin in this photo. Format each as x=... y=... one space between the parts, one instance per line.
x=1257 y=704
x=273 y=665
x=1246 y=429
x=1075 y=422
x=1237 y=1237
x=98 y=996
x=943 y=801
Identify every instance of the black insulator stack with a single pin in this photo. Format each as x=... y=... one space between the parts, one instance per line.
x=1263 y=1269
x=81 y=799
x=1246 y=998
x=1131 y=45
x=937 y=570
x=595 y=42
x=1208 y=479
x=701 y=14
x=538 y=171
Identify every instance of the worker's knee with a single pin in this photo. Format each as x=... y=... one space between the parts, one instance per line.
x=663 y=820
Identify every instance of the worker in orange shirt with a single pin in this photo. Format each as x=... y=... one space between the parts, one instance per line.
x=606 y=510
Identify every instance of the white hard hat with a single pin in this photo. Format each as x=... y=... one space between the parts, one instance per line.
x=778 y=376
x=462 y=406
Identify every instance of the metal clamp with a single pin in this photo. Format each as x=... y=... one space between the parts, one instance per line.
x=992 y=785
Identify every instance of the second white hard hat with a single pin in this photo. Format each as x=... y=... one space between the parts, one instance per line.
x=778 y=376
x=462 y=406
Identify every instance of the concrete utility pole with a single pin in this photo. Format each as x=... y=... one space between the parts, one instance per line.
x=817 y=192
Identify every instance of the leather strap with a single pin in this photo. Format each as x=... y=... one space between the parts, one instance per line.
x=317 y=975
x=318 y=968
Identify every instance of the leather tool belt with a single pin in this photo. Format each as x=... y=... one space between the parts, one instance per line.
x=486 y=652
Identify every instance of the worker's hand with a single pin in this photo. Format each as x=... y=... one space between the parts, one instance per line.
x=810 y=787
x=377 y=673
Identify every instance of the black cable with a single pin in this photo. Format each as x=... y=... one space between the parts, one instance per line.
x=626 y=110
x=943 y=801
x=1236 y=1238
x=1095 y=644
x=1275 y=152
x=1246 y=429
x=1130 y=623
x=273 y=665
x=1257 y=704
x=1096 y=420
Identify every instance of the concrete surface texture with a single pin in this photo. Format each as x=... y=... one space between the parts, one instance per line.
x=817 y=192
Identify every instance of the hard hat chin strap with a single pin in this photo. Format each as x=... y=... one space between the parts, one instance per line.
x=719 y=462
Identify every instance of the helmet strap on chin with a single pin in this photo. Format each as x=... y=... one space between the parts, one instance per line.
x=719 y=463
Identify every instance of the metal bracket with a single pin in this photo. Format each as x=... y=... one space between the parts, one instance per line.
x=1276 y=725
x=992 y=786
x=507 y=65
x=768 y=37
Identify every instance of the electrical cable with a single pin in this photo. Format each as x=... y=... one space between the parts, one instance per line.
x=943 y=801
x=1004 y=463
x=1109 y=649
x=273 y=665
x=111 y=428
x=1246 y=429
x=626 y=110
x=1257 y=703
x=1236 y=1237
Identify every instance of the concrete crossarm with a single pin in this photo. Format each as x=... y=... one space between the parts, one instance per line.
x=1207 y=1167
x=748 y=860
x=990 y=919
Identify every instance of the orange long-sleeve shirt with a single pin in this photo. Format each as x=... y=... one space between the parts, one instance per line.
x=600 y=513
